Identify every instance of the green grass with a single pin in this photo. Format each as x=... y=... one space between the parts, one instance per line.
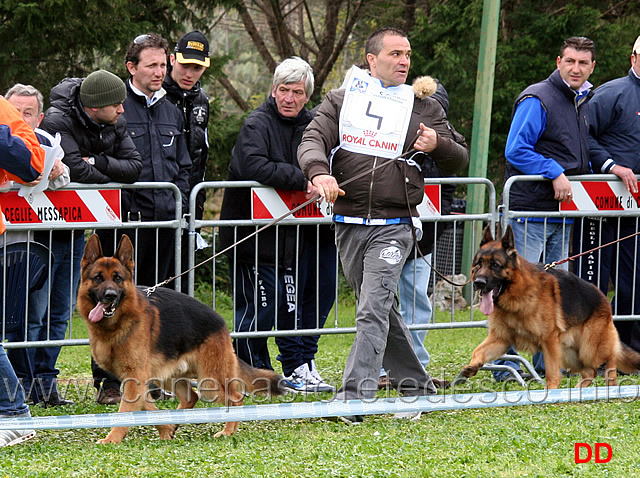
x=532 y=441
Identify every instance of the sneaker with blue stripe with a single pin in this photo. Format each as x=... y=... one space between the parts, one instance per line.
x=302 y=380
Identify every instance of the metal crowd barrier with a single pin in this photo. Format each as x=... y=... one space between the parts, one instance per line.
x=451 y=224
x=16 y=320
x=446 y=254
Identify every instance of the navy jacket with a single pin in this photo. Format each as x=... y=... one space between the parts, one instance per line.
x=266 y=151
x=157 y=132
x=614 y=124
x=194 y=105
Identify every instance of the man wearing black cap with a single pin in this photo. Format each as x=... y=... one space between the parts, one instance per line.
x=182 y=84
x=98 y=149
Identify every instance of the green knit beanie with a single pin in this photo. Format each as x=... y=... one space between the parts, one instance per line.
x=102 y=88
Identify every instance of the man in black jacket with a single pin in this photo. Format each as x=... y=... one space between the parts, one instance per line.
x=98 y=149
x=267 y=271
x=157 y=129
x=182 y=84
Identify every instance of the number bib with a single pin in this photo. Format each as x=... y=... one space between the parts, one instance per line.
x=373 y=119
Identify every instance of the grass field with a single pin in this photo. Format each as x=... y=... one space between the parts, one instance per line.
x=531 y=441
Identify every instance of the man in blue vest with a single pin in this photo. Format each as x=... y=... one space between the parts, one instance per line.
x=549 y=137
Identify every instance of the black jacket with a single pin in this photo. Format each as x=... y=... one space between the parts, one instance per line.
x=116 y=158
x=194 y=105
x=431 y=170
x=265 y=152
x=157 y=132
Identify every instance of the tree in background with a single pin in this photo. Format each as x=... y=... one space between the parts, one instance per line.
x=446 y=43
x=316 y=31
x=49 y=40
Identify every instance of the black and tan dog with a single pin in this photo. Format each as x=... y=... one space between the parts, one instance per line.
x=168 y=338
x=554 y=311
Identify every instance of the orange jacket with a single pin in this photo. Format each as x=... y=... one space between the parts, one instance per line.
x=21 y=157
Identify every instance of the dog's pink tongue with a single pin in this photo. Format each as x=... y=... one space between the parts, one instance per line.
x=486 y=303
x=96 y=314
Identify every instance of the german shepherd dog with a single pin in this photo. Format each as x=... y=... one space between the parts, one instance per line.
x=555 y=311
x=168 y=338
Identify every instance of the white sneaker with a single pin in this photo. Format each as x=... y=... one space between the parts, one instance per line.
x=303 y=381
x=13 y=437
x=320 y=384
x=407 y=415
x=298 y=381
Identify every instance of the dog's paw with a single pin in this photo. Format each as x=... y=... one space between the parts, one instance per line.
x=106 y=440
x=222 y=433
x=167 y=432
x=229 y=429
x=464 y=375
x=469 y=371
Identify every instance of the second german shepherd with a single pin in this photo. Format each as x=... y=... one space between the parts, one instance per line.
x=554 y=311
x=168 y=338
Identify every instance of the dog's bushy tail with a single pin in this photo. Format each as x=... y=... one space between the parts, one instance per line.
x=258 y=380
x=628 y=360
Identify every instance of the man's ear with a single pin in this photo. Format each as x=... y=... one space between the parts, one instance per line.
x=131 y=67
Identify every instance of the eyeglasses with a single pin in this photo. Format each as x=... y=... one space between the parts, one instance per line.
x=141 y=38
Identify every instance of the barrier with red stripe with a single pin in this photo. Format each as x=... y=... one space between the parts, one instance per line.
x=269 y=203
x=63 y=206
x=601 y=196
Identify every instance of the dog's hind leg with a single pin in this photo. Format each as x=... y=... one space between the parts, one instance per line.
x=588 y=374
x=183 y=389
x=233 y=393
x=233 y=399
x=611 y=375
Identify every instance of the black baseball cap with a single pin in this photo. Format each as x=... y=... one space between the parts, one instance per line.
x=193 y=47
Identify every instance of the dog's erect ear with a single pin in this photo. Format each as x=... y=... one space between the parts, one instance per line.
x=509 y=242
x=486 y=236
x=92 y=251
x=124 y=252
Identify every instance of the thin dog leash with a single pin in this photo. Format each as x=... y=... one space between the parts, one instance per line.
x=554 y=264
x=151 y=290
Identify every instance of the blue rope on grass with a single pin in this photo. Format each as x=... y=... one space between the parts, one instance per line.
x=318 y=409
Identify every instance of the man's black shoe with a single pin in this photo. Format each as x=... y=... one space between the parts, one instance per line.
x=55 y=400
x=109 y=396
